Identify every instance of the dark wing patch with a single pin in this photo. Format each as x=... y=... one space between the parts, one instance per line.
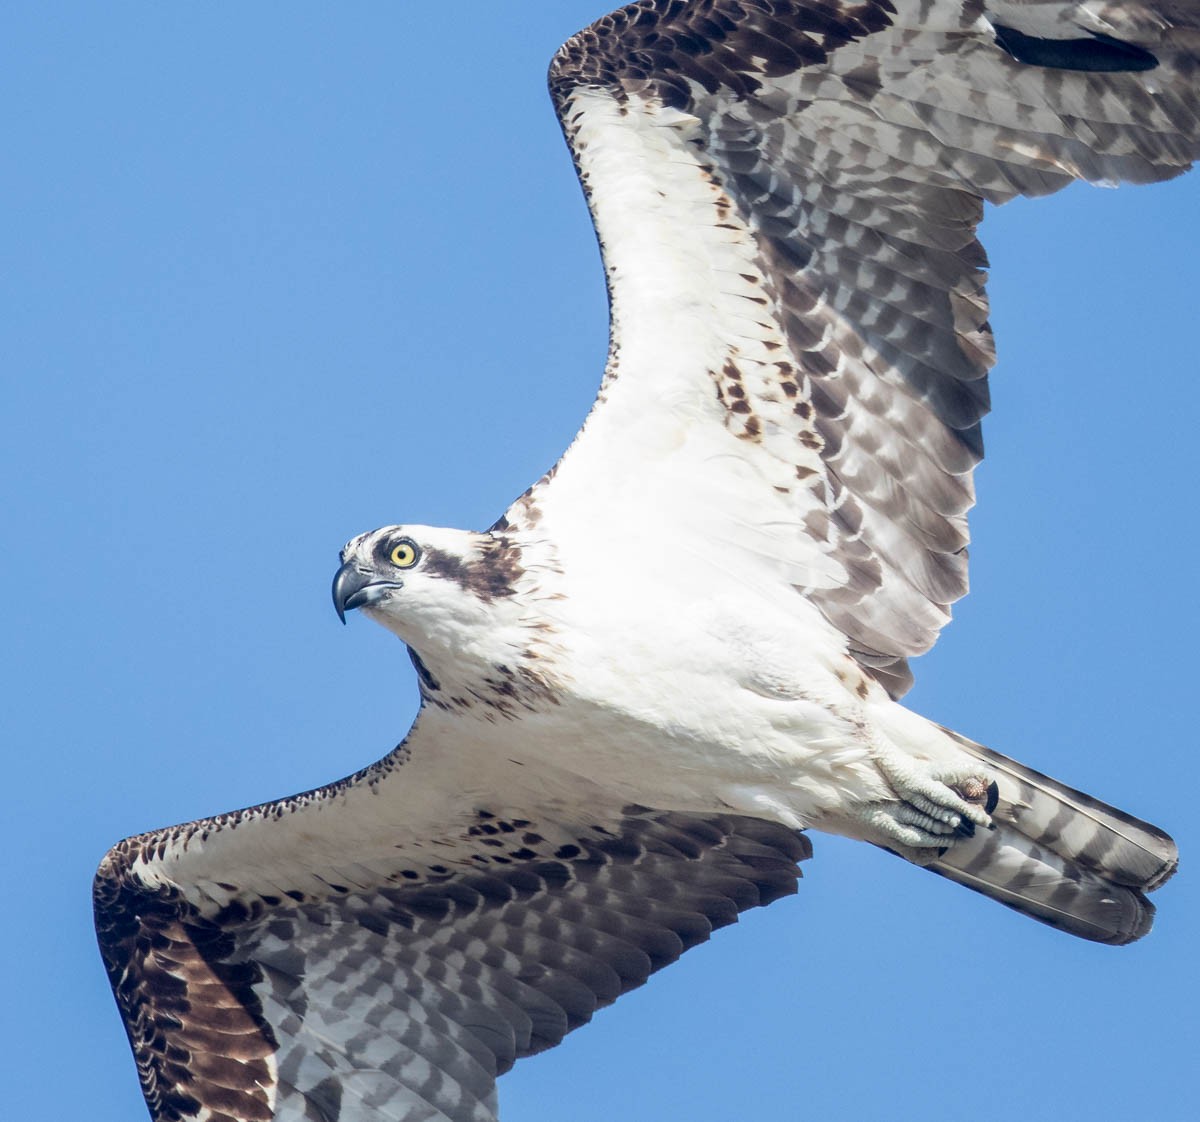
x=194 y=1020
x=858 y=142
x=397 y=999
x=1096 y=52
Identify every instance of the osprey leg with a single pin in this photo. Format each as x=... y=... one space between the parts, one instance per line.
x=936 y=805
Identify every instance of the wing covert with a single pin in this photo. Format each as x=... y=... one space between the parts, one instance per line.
x=786 y=196
x=422 y=969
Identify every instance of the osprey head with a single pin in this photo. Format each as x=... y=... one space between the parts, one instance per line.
x=417 y=580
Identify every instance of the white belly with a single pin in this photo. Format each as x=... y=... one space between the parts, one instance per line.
x=724 y=704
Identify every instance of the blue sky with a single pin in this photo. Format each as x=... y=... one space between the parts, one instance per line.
x=277 y=274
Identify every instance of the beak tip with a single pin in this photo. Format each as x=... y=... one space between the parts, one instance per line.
x=343 y=589
x=355 y=588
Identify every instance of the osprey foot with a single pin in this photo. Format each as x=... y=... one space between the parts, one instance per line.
x=936 y=807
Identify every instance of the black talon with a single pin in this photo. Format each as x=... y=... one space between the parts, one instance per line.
x=993 y=797
x=965 y=829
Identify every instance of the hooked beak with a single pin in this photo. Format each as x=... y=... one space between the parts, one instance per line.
x=352 y=588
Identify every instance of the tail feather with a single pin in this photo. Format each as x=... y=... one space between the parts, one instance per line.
x=1085 y=831
x=1009 y=867
x=1061 y=856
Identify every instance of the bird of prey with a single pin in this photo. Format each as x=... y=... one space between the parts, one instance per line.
x=687 y=643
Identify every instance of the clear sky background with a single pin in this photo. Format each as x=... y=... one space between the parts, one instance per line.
x=275 y=274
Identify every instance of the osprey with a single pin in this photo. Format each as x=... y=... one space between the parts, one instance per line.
x=685 y=644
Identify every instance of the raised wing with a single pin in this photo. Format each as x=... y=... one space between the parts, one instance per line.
x=346 y=957
x=786 y=195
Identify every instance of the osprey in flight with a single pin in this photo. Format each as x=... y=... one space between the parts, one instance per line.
x=615 y=755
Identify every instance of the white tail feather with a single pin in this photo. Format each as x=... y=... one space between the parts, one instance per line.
x=1007 y=866
x=1076 y=826
x=1060 y=855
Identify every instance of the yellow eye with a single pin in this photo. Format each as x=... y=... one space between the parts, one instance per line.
x=404 y=554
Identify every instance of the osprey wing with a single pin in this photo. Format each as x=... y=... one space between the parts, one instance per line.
x=786 y=195
x=385 y=947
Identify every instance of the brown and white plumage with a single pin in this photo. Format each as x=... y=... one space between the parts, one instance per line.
x=403 y=992
x=786 y=196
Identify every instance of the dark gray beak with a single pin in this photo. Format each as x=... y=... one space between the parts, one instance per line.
x=352 y=588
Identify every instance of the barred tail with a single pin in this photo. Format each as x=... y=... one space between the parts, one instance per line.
x=1061 y=856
